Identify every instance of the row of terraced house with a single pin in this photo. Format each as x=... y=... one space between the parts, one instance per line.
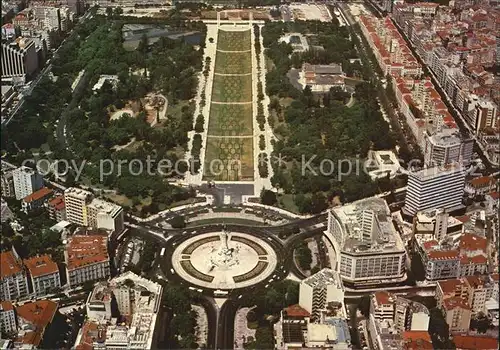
x=459 y=44
x=432 y=125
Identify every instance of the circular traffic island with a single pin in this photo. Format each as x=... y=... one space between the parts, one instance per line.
x=223 y=260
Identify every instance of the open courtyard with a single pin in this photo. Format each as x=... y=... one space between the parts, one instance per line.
x=229 y=148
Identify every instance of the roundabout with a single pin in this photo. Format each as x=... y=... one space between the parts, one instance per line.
x=224 y=260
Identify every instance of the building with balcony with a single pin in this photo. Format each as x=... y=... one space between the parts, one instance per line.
x=34 y=318
x=26 y=181
x=86 y=259
x=8 y=321
x=391 y=317
x=457 y=314
x=85 y=210
x=325 y=325
x=13 y=282
x=137 y=301
x=43 y=274
x=319 y=290
x=36 y=200
x=57 y=208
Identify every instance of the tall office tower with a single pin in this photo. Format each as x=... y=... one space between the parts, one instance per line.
x=19 y=59
x=26 y=181
x=446 y=147
x=320 y=289
x=435 y=188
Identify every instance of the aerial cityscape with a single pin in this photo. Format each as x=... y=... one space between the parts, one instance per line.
x=255 y=174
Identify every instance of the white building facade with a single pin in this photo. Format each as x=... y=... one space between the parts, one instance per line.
x=26 y=181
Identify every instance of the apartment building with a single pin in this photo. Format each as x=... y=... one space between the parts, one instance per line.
x=13 y=282
x=368 y=248
x=450 y=258
x=482 y=114
x=436 y=224
x=473 y=252
x=439 y=263
x=8 y=324
x=392 y=54
x=458 y=46
x=43 y=274
x=86 y=259
x=446 y=147
x=7 y=183
x=325 y=325
x=391 y=317
x=106 y=215
x=57 y=208
x=76 y=200
x=138 y=299
x=433 y=188
x=99 y=301
x=457 y=314
x=320 y=289
x=83 y=209
x=36 y=200
x=19 y=59
x=481 y=185
x=26 y=181
x=406 y=314
x=34 y=318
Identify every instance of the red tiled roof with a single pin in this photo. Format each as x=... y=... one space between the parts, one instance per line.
x=463 y=218
x=57 y=203
x=482 y=181
x=417 y=340
x=443 y=254
x=40 y=314
x=40 y=194
x=472 y=342
x=41 y=265
x=477 y=260
x=429 y=244
x=455 y=302
x=449 y=286
x=296 y=311
x=494 y=195
x=474 y=281
x=6 y=305
x=86 y=250
x=9 y=265
x=91 y=332
x=471 y=242
x=382 y=298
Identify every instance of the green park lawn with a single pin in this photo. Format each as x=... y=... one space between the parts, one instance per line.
x=230 y=120
x=234 y=40
x=233 y=62
x=229 y=159
x=232 y=88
